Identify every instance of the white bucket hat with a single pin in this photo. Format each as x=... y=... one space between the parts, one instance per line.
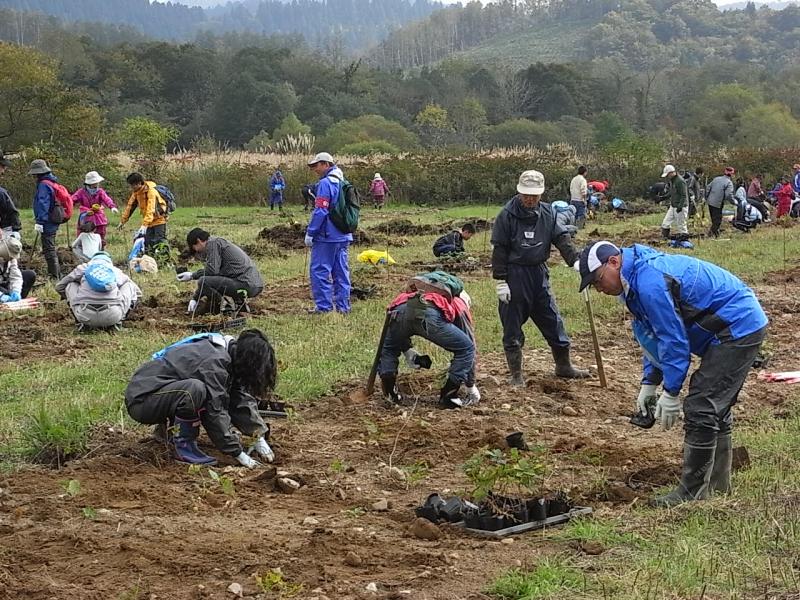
x=92 y=177
x=377 y=176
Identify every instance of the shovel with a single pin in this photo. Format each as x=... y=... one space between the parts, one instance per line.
x=598 y=357
x=33 y=248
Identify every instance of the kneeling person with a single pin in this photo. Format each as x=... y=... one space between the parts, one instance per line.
x=15 y=283
x=453 y=242
x=99 y=294
x=211 y=379
x=227 y=272
x=434 y=307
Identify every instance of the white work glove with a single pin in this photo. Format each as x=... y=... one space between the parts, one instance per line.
x=192 y=306
x=185 y=276
x=15 y=235
x=646 y=396
x=473 y=394
x=466 y=298
x=39 y=228
x=503 y=292
x=115 y=210
x=142 y=231
x=263 y=450
x=309 y=241
x=246 y=461
x=411 y=356
x=668 y=409
x=577 y=266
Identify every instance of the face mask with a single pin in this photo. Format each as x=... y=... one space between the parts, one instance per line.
x=92 y=191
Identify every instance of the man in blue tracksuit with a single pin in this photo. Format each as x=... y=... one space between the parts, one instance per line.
x=682 y=306
x=43 y=201
x=522 y=236
x=276 y=186
x=330 y=272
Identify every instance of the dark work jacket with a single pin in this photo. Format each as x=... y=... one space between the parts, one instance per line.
x=452 y=243
x=522 y=238
x=208 y=362
x=9 y=215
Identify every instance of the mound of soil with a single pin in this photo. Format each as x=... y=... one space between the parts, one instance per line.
x=292 y=237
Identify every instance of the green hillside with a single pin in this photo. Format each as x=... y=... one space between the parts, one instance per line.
x=548 y=43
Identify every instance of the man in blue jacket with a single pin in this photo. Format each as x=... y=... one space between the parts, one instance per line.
x=522 y=236
x=682 y=306
x=328 y=244
x=43 y=202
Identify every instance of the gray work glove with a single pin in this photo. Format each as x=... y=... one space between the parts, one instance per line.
x=646 y=397
x=668 y=409
x=263 y=449
x=308 y=241
x=503 y=292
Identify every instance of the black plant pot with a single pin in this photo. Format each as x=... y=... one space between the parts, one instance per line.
x=452 y=509
x=557 y=504
x=537 y=509
x=472 y=519
x=516 y=440
x=430 y=509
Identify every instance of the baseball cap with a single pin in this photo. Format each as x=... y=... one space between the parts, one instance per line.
x=321 y=157
x=594 y=256
x=531 y=183
x=667 y=170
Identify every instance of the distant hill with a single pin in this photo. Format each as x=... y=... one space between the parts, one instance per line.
x=743 y=5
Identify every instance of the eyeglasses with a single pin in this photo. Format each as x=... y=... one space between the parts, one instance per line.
x=598 y=275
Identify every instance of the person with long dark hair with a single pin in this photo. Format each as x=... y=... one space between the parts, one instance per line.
x=208 y=379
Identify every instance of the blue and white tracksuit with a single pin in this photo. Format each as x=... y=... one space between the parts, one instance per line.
x=330 y=272
x=684 y=306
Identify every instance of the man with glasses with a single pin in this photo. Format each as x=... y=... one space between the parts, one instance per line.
x=682 y=306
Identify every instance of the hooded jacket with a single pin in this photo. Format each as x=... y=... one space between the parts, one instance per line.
x=43 y=201
x=450 y=243
x=90 y=296
x=687 y=305
x=321 y=228
x=84 y=201
x=522 y=236
x=148 y=200
x=719 y=191
x=207 y=361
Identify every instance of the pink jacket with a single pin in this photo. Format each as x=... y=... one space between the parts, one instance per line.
x=378 y=187
x=83 y=202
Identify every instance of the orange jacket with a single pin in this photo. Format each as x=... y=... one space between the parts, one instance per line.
x=148 y=200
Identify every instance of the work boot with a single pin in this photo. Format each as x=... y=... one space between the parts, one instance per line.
x=723 y=459
x=665 y=233
x=514 y=360
x=185 y=443
x=389 y=386
x=449 y=393
x=698 y=464
x=564 y=366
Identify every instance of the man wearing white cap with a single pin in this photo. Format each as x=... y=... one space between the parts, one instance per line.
x=678 y=201
x=522 y=236
x=682 y=306
x=329 y=245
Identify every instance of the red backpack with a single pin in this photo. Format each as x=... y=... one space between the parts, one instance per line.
x=62 y=209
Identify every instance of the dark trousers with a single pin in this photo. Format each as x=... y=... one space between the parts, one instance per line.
x=716 y=219
x=50 y=254
x=532 y=299
x=428 y=323
x=182 y=399
x=218 y=286
x=154 y=235
x=714 y=387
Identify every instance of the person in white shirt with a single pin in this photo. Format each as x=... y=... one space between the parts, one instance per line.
x=578 y=190
x=88 y=243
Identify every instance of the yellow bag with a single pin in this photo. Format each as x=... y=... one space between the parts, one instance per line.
x=375 y=257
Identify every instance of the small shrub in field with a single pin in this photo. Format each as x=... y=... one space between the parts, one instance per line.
x=53 y=437
x=369 y=148
x=547 y=580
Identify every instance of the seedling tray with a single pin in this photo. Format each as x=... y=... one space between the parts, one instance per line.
x=578 y=511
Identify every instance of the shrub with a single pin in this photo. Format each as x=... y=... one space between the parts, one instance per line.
x=369 y=148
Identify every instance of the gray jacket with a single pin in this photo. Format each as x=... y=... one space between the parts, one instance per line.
x=720 y=191
x=210 y=363
x=10 y=276
x=524 y=237
x=87 y=295
x=226 y=259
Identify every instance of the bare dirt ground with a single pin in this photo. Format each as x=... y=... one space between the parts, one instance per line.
x=161 y=532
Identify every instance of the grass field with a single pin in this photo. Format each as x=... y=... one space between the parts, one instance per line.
x=742 y=546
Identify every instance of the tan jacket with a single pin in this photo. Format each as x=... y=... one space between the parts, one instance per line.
x=578 y=188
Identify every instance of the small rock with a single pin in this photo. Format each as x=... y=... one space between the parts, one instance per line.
x=569 y=411
x=395 y=473
x=287 y=486
x=505 y=406
x=507 y=541
x=372 y=587
x=381 y=505
x=608 y=422
x=424 y=529
x=492 y=380
x=592 y=548
x=235 y=589
x=310 y=521
x=352 y=559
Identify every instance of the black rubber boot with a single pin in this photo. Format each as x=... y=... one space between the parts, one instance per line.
x=723 y=459
x=389 y=387
x=665 y=233
x=448 y=393
x=185 y=443
x=514 y=360
x=698 y=463
x=564 y=366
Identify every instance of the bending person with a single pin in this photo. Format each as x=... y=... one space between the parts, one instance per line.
x=211 y=379
x=227 y=272
x=15 y=283
x=99 y=294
